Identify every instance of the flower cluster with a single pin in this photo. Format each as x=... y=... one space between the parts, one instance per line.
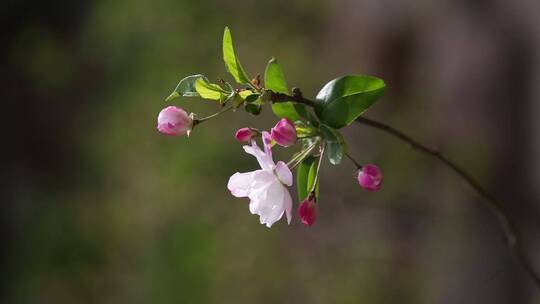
x=266 y=188
x=313 y=126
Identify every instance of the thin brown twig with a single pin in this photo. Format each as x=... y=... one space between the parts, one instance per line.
x=357 y=164
x=508 y=227
x=497 y=208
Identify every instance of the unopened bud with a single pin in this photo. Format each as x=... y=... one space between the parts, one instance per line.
x=307 y=211
x=245 y=135
x=370 y=177
x=174 y=121
x=284 y=133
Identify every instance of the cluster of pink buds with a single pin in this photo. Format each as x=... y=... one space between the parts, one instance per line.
x=284 y=134
x=174 y=121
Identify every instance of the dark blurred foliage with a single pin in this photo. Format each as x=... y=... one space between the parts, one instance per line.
x=99 y=208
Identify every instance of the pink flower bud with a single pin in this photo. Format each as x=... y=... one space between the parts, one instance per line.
x=370 y=177
x=307 y=211
x=284 y=133
x=244 y=135
x=174 y=121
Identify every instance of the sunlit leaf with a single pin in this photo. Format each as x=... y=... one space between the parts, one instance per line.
x=211 y=91
x=274 y=80
x=231 y=59
x=186 y=87
x=245 y=93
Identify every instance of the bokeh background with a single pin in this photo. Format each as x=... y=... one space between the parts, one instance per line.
x=98 y=207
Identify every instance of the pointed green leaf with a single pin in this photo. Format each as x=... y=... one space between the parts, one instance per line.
x=253 y=108
x=344 y=99
x=335 y=144
x=274 y=80
x=252 y=98
x=186 y=87
x=245 y=93
x=231 y=59
x=211 y=91
x=303 y=131
x=305 y=176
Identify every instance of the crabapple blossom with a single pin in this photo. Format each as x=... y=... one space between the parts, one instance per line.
x=266 y=187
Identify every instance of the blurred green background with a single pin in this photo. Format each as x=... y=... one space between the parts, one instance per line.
x=99 y=207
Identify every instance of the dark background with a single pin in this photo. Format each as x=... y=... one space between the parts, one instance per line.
x=100 y=208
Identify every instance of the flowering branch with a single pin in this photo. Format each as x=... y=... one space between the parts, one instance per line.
x=312 y=123
x=507 y=226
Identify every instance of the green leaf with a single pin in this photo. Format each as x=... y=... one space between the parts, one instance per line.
x=245 y=93
x=252 y=97
x=253 y=108
x=344 y=99
x=289 y=110
x=237 y=101
x=305 y=176
x=335 y=144
x=211 y=91
x=304 y=131
x=231 y=59
x=186 y=87
x=274 y=80
x=247 y=96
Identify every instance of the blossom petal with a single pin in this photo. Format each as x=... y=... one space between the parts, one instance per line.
x=264 y=159
x=284 y=173
x=272 y=209
x=265 y=188
x=259 y=189
x=267 y=142
x=240 y=183
x=287 y=203
x=263 y=177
